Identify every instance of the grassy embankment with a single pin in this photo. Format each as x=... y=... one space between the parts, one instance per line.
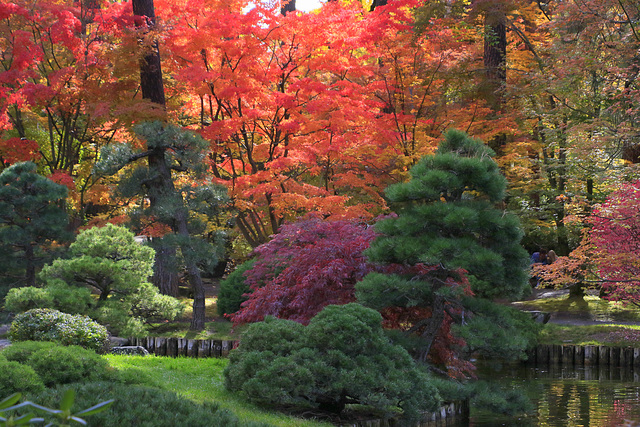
x=199 y=380
x=622 y=327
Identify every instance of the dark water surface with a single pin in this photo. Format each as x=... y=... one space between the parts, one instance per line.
x=597 y=396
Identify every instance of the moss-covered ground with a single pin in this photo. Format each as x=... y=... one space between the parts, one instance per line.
x=588 y=321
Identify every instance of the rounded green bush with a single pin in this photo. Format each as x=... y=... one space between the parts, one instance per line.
x=18 y=378
x=21 y=351
x=66 y=329
x=63 y=365
x=341 y=357
x=141 y=407
x=233 y=290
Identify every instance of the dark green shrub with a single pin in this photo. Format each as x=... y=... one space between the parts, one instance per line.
x=233 y=289
x=18 y=378
x=342 y=356
x=21 y=351
x=63 y=365
x=66 y=329
x=142 y=407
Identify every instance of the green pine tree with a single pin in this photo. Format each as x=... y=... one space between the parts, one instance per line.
x=32 y=216
x=447 y=221
x=448 y=215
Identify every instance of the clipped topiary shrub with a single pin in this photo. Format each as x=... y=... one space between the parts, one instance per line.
x=18 y=378
x=142 y=407
x=233 y=290
x=341 y=357
x=66 y=329
x=21 y=351
x=63 y=365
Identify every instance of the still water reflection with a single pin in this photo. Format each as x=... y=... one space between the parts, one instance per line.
x=597 y=397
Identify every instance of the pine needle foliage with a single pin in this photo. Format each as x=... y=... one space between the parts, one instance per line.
x=448 y=215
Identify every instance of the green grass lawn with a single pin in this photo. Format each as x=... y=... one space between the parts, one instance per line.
x=591 y=307
x=199 y=380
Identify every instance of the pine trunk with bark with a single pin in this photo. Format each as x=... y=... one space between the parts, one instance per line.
x=162 y=187
x=495 y=65
x=287 y=6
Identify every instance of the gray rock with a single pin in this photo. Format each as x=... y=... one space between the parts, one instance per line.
x=118 y=342
x=539 y=316
x=130 y=350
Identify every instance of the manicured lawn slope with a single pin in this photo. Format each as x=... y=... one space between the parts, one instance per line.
x=199 y=380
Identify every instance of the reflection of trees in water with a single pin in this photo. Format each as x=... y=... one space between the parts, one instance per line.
x=596 y=397
x=587 y=403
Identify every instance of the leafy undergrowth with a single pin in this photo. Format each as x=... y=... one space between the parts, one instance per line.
x=199 y=380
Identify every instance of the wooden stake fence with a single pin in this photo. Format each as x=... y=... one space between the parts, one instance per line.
x=588 y=355
x=174 y=347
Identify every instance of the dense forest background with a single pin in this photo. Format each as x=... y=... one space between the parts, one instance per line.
x=207 y=125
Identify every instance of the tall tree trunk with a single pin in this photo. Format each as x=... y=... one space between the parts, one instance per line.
x=495 y=57
x=30 y=258
x=150 y=69
x=495 y=60
x=162 y=188
x=165 y=274
x=287 y=6
x=376 y=3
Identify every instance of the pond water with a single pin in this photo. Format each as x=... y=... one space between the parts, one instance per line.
x=568 y=397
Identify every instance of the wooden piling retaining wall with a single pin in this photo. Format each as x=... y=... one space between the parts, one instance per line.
x=588 y=355
x=457 y=412
x=174 y=347
x=542 y=355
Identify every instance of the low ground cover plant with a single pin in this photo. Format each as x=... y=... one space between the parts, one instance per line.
x=21 y=351
x=16 y=413
x=16 y=377
x=31 y=365
x=143 y=406
x=63 y=365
